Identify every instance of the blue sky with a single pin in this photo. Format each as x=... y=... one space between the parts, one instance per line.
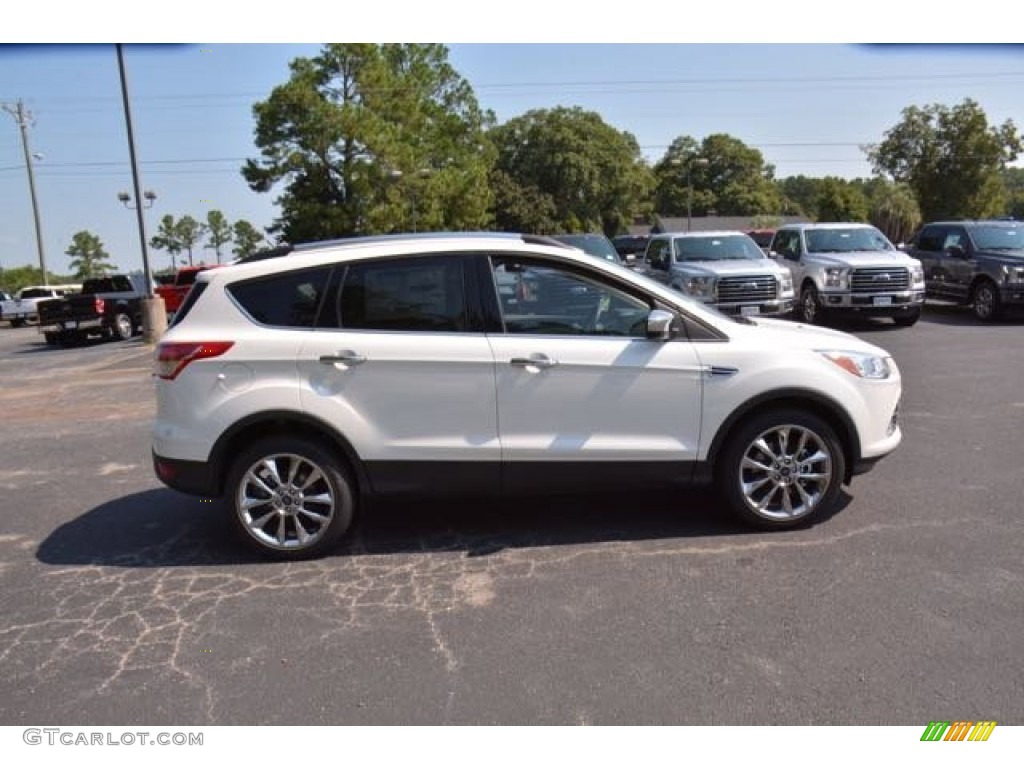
x=807 y=107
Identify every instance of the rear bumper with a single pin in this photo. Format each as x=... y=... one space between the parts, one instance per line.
x=192 y=477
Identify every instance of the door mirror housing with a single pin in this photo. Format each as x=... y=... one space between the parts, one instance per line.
x=659 y=325
x=957 y=252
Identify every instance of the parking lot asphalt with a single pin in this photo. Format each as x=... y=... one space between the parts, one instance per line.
x=124 y=603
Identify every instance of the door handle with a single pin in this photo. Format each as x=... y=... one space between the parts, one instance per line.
x=534 y=361
x=348 y=357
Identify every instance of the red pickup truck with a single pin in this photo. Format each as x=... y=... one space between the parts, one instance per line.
x=174 y=293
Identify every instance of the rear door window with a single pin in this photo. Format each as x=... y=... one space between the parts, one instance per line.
x=289 y=299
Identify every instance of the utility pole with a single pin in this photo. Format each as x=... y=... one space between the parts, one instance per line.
x=154 y=314
x=23 y=117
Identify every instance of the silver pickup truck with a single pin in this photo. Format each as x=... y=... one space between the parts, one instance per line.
x=850 y=268
x=724 y=269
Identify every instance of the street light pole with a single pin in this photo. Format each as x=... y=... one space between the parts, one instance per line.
x=22 y=117
x=154 y=313
x=689 y=187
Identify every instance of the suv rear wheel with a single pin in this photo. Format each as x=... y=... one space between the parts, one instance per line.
x=290 y=498
x=781 y=469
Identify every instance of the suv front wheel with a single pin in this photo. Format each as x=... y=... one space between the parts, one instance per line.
x=781 y=469
x=290 y=498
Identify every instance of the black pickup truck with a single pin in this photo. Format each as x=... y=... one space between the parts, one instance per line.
x=109 y=307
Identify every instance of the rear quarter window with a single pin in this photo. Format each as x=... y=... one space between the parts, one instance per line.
x=289 y=299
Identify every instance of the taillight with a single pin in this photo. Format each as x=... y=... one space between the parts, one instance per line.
x=172 y=356
x=99 y=306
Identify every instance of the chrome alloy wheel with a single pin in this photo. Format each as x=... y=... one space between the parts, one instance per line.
x=285 y=502
x=784 y=473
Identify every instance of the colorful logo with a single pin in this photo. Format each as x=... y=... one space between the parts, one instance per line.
x=960 y=730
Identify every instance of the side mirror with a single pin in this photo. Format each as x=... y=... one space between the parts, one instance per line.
x=773 y=254
x=957 y=252
x=659 y=325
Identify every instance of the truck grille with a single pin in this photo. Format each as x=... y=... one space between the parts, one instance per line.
x=879 y=280
x=747 y=289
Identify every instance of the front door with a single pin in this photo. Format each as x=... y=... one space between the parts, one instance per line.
x=579 y=382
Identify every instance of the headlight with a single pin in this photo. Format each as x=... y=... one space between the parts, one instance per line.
x=702 y=287
x=1013 y=274
x=835 y=277
x=860 y=365
x=916 y=276
x=787 y=284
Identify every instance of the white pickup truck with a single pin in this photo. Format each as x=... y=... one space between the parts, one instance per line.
x=24 y=307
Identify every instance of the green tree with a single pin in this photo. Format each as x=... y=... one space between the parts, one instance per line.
x=800 y=195
x=1014 y=180
x=841 y=200
x=370 y=138
x=951 y=158
x=218 y=231
x=88 y=259
x=592 y=174
x=522 y=208
x=727 y=177
x=247 y=238
x=895 y=211
x=168 y=239
x=189 y=232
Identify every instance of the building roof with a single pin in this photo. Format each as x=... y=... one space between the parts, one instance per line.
x=715 y=223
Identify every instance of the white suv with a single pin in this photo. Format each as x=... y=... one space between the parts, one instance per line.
x=298 y=386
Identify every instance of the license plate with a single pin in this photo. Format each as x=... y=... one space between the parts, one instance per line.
x=883 y=301
x=747 y=311
x=70 y=325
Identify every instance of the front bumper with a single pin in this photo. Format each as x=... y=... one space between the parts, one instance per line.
x=874 y=303
x=1012 y=294
x=776 y=307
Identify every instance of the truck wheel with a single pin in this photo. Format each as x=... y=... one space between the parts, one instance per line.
x=907 y=319
x=123 y=328
x=809 y=310
x=985 y=299
x=17 y=322
x=51 y=338
x=782 y=468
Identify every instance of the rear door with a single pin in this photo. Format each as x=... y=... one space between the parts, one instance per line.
x=400 y=366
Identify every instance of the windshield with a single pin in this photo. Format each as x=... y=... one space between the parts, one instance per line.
x=716 y=248
x=998 y=238
x=595 y=245
x=838 y=240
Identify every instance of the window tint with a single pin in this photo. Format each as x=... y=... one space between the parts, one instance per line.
x=289 y=299
x=539 y=298
x=417 y=294
x=931 y=239
x=193 y=296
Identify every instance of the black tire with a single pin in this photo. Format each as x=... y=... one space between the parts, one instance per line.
x=749 y=477
x=907 y=319
x=123 y=328
x=986 y=302
x=317 y=500
x=52 y=338
x=809 y=309
x=17 y=322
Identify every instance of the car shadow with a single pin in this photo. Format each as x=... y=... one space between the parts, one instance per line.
x=161 y=528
